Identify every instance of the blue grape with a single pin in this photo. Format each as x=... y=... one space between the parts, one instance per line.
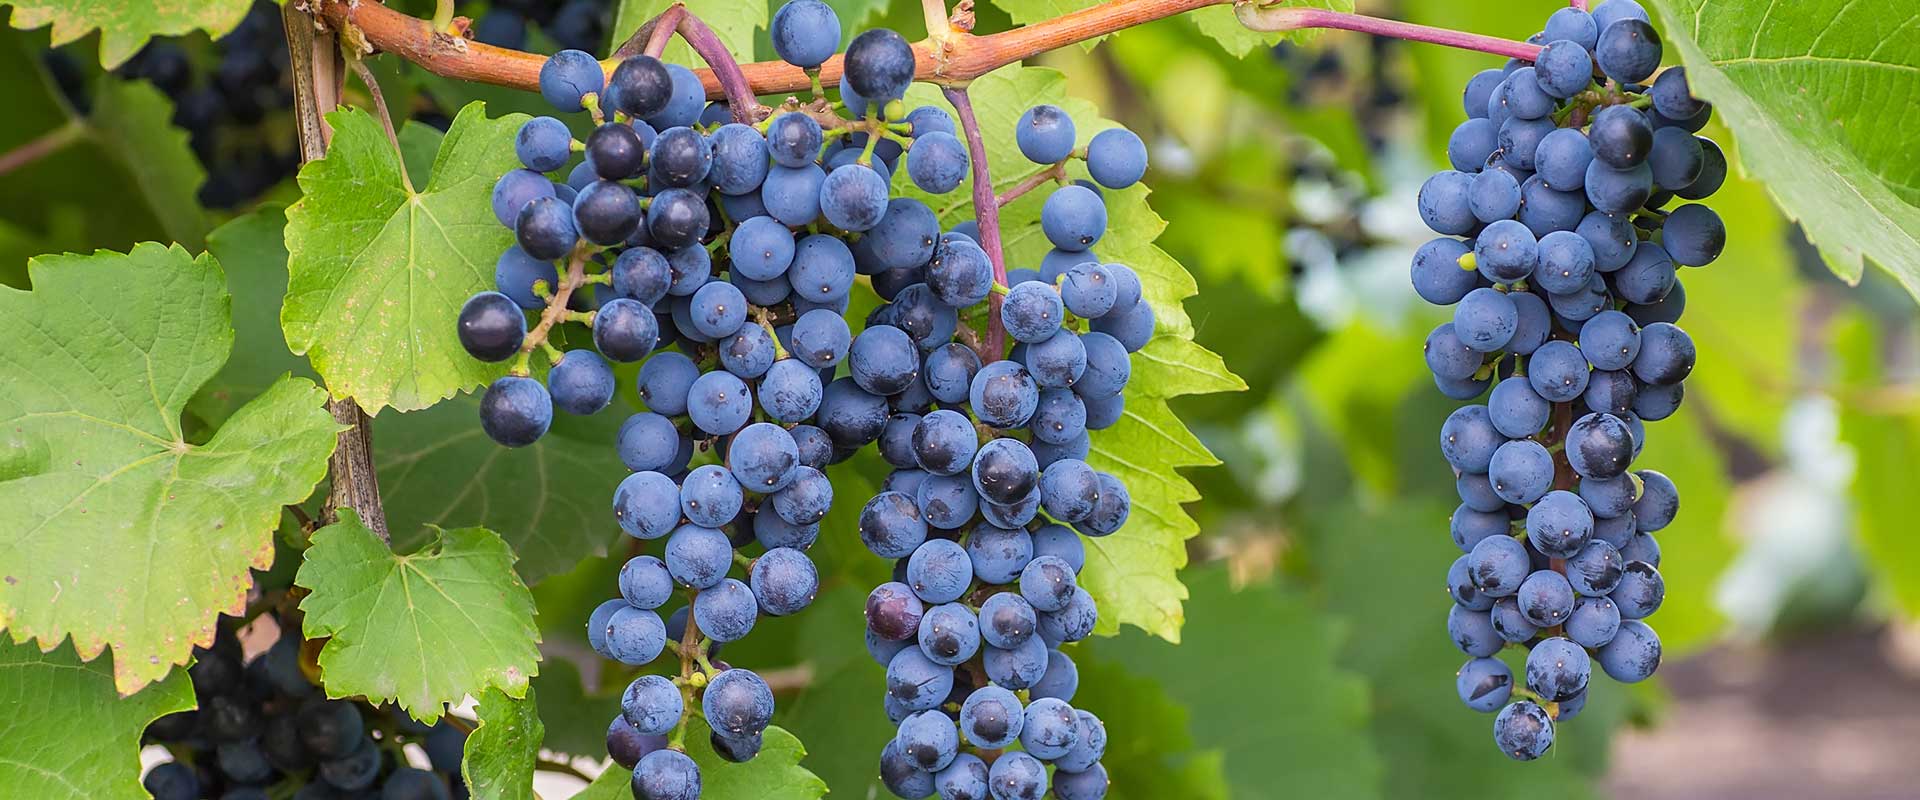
x=1520 y=140
x=944 y=442
x=666 y=775
x=1612 y=238
x=762 y=457
x=687 y=99
x=1479 y=90
x=1050 y=729
x=1545 y=598
x=850 y=416
x=939 y=571
x=1522 y=730
x=784 y=581
x=1666 y=355
x=1634 y=652
x=905 y=235
x=949 y=372
x=792 y=194
x=1484 y=320
x=1619 y=191
x=665 y=381
x=1484 y=684
x=1493 y=195
x=761 y=248
x=1468 y=439
x=1521 y=471
x=1599 y=446
x=793 y=139
x=1544 y=210
x=719 y=403
x=1558 y=371
x=853 y=197
x=1047 y=583
x=1506 y=251
x=1559 y=525
x=1472 y=632
x=1509 y=623
x=690 y=268
x=645 y=583
x=949 y=633
x=1437 y=276
x=1566 y=263
x=1676 y=159
x=1073 y=217
x=1620 y=136
x=543 y=144
x=1595 y=570
x=1557 y=669
x=647 y=505
x=1611 y=392
x=635 y=636
x=1476 y=492
x=739 y=159
x=1061 y=415
x=1628 y=50
x=1533 y=323
x=1594 y=622
x=883 y=360
x=959 y=273
x=1672 y=97
x=615 y=152
x=1133 y=327
x=1032 y=312
x=937 y=162
x=1659 y=501
x=581 y=382
x=1044 y=134
x=928 y=740
x=516 y=411
x=1116 y=158
x=1526 y=98
x=568 y=76
x=806 y=499
x=1471 y=143
x=1693 y=235
x=893 y=612
x=1469 y=527
x=641 y=86
x=698 y=557
x=805 y=33
x=1004 y=395
x=545 y=228
x=1563 y=68
x=725 y=612
x=1497 y=566
x=1639 y=591
x=652 y=705
x=879 y=64
x=677 y=218
x=515 y=190
x=1562 y=158
x=1610 y=340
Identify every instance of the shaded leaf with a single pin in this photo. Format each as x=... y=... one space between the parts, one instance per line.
x=775 y=774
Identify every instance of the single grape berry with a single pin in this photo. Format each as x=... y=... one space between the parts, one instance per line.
x=492 y=326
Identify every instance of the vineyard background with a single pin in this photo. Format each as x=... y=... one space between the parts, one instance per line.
x=1313 y=654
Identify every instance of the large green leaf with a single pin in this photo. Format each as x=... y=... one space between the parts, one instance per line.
x=253 y=249
x=551 y=500
x=379 y=269
x=126 y=25
x=1814 y=94
x=113 y=528
x=733 y=21
x=775 y=774
x=1272 y=697
x=499 y=759
x=1132 y=572
x=422 y=629
x=66 y=735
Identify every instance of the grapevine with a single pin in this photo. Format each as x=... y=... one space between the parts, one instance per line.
x=504 y=419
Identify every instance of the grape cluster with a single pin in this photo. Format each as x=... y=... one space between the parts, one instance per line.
x=226 y=110
x=1565 y=299
x=722 y=255
x=262 y=729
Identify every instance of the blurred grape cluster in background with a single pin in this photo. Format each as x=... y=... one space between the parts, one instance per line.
x=1313 y=660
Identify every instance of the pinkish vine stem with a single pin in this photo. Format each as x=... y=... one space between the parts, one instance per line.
x=1292 y=19
x=986 y=210
x=663 y=28
x=726 y=70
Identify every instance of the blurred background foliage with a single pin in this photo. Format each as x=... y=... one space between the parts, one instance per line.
x=1314 y=660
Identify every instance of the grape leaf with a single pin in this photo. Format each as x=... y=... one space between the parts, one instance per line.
x=114 y=529
x=51 y=696
x=575 y=720
x=423 y=629
x=253 y=244
x=775 y=774
x=1133 y=572
x=1820 y=99
x=379 y=270
x=501 y=753
x=126 y=25
x=1275 y=702
x=734 y=22
x=1151 y=751
x=551 y=500
x=844 y=677
x=854 y=15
